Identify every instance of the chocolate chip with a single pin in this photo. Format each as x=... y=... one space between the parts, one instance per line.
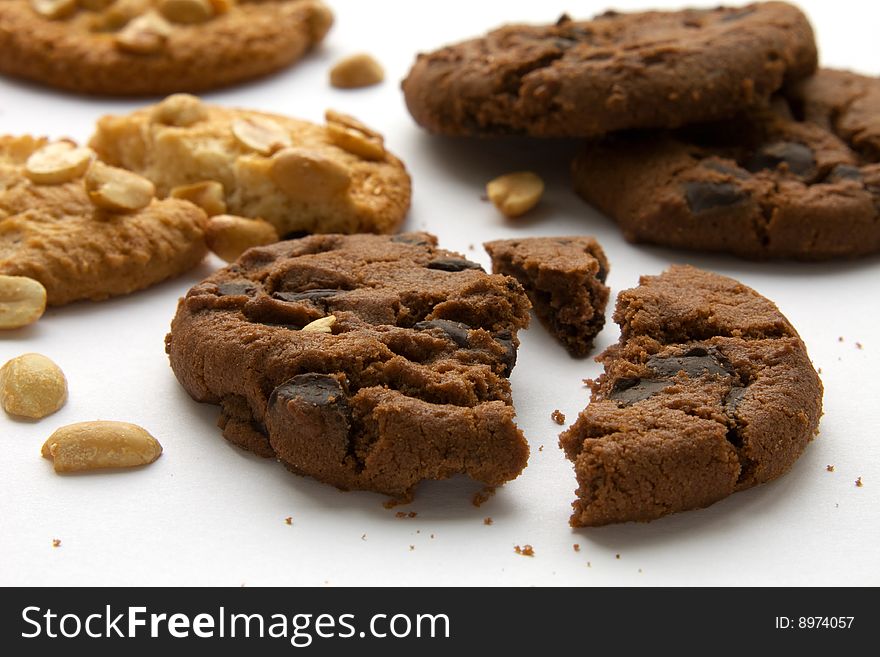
x=602 y=274
x=733 y=398
x=455 y=331
x=236 y=288
x=505 y=339
x=695 y=363
x=736 y=15
x=453 y=264
x=308 y=295
x=797 y=157
x=845 y=172
x=704 y=196
x=629 y=391
x=313 y=389
x=410 y=238
x=563 y=19
x=721 y=167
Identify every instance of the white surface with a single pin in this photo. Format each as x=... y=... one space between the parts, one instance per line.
x=209 y=513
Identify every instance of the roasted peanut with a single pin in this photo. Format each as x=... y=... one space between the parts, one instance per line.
x=22 y=301
x=187 y=12
x=230 y=236
x=360 y=70
x=322 y=325
x=58 y=162
x=179 y=110
x=54 y=9
x=117 y=189
x=260 y=134
x=144 y=35
x=515 y=193
x=208 y=195
x=306 y=175
x=101 y=444
x=351 y=135
x=31 y=385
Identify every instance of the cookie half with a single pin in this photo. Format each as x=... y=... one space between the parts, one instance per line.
x=709 y=391
x=367 y=362
x=298 y=176
x=800 y=180
x=86 y=230
x=564 y=278
x=149 y=47
x=617 y=71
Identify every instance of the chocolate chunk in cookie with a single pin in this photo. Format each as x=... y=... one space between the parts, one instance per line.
x=404 y=380
x=565 y=280
x=709 y=391
x=300 y=177
x=799 y=181
x=154 y=47
x=86 y=230
x=618 y=71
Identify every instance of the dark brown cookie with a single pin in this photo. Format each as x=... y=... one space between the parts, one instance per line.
x=367 y=362
x=800 y=180
x=617 y=71
x=565 y=280
x=709 y=391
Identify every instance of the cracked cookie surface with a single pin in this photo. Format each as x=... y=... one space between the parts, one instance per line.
x=709 y=391
x=615 y=72
x=299 y=176
x=800 y=180
x=63 y=224
x=564 y=278
x=367 y=362
x=148 y=47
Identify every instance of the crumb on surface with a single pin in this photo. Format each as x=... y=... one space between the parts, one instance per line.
x=363 y=537
x=819 y=371
x=859 y=345
x=432 y=535
x=589 y=565
x=830 y=468
x=482 y=496
x=617 y=556
x=288 y=520
x=412 y=547
x=404 y=514
x=859 y=483
x=840 y=339
x=541 y=448
x=577 y=547
x=470 y=247
x=526 y=550
x=488 y=520
x=56 y=542
x=558 y=417
x=391 y=503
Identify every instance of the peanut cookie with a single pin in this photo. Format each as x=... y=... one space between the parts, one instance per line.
x=800 y=180
x=564 y=278
x=148 y=47
x=617 y=71
x=709 y=391
x=86 y=230
x=298 y=176
x=367 y=362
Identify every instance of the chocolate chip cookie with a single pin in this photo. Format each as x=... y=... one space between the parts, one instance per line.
x=709 y=391
x=564 y=278
x=149 y=47
x=86 y=230
x=298 y=176
x=799 y=180
x=367 y=362
x=617 y=71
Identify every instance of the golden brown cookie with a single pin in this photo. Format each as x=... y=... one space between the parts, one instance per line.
x=86 y=230
x=298 y=176
x=146 y=47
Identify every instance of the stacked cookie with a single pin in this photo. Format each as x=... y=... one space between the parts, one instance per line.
x=725 y=136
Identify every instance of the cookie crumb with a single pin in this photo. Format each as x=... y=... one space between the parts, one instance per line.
x=404 y=514
x=288 y=520
x=482 y=496
x=558 y=417
x=541 y=448
x=617 y=556
x=840 y=339
x=829 y=468
x=819 y=371
x=488 y=520
x=412 y=548
x=432 y=535
x=858 y=345
x=391 y=503
x=56 y=542
x=525 y=551
x=589 y=565
x=363 y=537
x=577 y=547
x=470 y=247
x=859 y=483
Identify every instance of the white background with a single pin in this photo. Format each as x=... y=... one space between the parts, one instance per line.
x=208 y=513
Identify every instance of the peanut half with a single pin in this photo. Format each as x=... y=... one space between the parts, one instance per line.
x=360 y=70
x=100 y=444
x=58 y=162
x=208 y=195
x=515 y=193
x=306 y=175
x=179 y=110
x=31 y=385
x=22 y=301
x=144 y=35
x=351 y=135
x=187 y=12
x=322 y=325
x=54 y=9
x=230 y=236
x=260 y=134
x=116 y=189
